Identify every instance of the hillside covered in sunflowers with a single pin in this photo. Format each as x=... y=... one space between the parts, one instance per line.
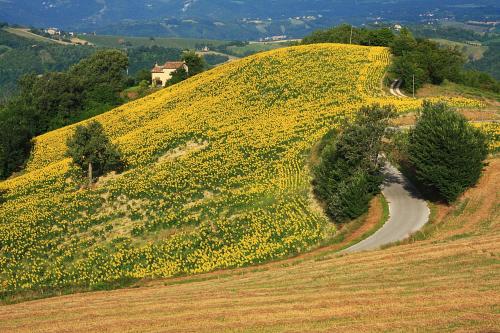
x=217 y=174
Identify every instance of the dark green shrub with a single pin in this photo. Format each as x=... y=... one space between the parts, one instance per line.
x=446 y=152
x=349 y=172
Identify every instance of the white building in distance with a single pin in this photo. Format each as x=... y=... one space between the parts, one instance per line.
x=160 y=74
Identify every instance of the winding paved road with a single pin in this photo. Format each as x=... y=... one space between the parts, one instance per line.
x=407 y=212
x=394 y=89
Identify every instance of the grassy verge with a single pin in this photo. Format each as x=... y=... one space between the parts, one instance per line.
x=343 y=239
x=381 y=222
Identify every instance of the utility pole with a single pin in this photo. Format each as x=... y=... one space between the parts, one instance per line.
x=413 y=85
x=350 y=38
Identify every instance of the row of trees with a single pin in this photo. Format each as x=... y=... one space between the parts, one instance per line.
x=54 y=100
x=350 y=172
x=417 y=60
x=348 y=34
x=443 y=153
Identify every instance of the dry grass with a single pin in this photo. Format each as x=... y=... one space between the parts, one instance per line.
x=448 y=282
x=476 y=212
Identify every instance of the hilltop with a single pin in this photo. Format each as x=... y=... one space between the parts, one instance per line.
x=217 y=175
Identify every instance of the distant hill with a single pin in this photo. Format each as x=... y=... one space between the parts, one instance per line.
x=225 y=19
x=19 y=56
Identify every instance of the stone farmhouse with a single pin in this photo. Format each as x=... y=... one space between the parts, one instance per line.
x=160 y=74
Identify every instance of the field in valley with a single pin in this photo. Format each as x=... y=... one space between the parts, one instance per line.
x=472 y=52
x=119 y=41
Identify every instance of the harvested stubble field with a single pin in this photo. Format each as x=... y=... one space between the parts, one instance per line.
x=449 y=281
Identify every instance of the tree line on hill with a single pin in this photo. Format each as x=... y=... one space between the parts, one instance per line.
x=56 y=99
x=347 y=34
x=20 y=56
x=350 y=171
x=417 y=60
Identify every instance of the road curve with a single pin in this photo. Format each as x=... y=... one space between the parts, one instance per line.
x=395 y=88
x=407 y=212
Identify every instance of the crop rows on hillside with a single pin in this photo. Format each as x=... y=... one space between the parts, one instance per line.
x=217 y=174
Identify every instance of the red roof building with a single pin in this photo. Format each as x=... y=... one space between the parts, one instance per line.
x=160 y=74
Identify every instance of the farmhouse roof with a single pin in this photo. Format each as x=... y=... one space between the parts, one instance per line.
x=173 y=64
x=168 y=65
x=157 y=69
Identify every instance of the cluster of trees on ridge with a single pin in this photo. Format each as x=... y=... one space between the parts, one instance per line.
x=444 y=154
x=347 y=34
x=56 y=99
x=417 y=60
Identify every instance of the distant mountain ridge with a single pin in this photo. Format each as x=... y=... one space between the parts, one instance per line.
x=230 y=18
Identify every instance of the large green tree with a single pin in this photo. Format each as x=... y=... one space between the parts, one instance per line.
x=103 y=68
x=403 y=43
x=50 y=101
x=15 y=143
x=196 y=64
x=349 y=172
x=178 y=75
x=92 y=150
x=446 y=152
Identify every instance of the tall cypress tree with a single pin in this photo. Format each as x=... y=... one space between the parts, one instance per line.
x=447 y=153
